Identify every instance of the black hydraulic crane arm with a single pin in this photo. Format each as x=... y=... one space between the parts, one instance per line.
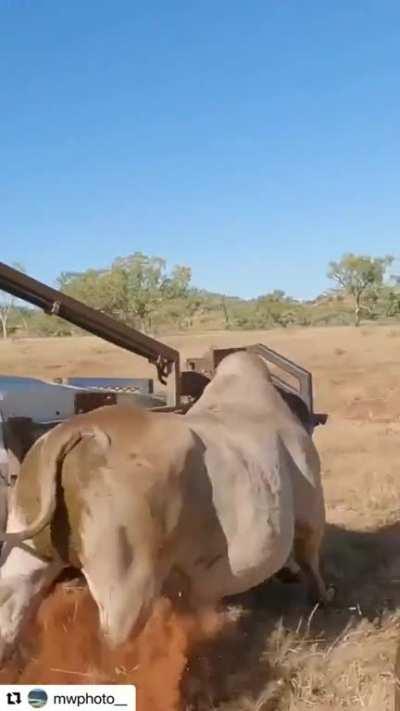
x=51 y=301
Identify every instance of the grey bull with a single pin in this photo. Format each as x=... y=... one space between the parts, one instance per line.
x=200 y=506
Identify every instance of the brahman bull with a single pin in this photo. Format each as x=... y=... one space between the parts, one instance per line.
x=200 y=506
x=244 y=390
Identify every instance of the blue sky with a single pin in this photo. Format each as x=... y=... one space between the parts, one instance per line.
x=254 y=141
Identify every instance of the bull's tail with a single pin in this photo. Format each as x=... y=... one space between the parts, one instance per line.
x=53 y=451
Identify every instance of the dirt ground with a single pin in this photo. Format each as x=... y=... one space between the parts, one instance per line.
x=341 y=658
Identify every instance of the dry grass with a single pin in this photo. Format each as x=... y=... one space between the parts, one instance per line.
x=277 y=656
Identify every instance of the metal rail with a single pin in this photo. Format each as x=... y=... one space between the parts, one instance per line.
x=54 y=302
x=300 y=398
x=303 y=376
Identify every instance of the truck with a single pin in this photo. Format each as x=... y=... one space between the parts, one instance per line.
x=29 y=406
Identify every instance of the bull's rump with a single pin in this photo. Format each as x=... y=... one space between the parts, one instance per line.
x=137 y=458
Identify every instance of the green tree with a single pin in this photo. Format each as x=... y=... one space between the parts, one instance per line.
x=225 y=311
x=184 y=310
x=277 y=295
x=390 y=299
x=88 y=286
x=8 y=308
x=176 y=286
x=276 y=309
x=132 y=289
x=359 y=276
x=140 y=284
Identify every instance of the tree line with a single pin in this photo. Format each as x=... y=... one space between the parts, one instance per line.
x=141 y=291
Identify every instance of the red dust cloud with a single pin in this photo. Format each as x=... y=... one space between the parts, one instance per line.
x=63 y=646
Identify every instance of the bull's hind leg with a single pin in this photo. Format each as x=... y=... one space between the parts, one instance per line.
x=122 y=582
x=307 y=553
x=23 y=580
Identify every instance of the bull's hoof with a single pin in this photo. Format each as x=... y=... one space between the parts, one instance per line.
x=330 y=594
x=321 y=599
x=325 y=599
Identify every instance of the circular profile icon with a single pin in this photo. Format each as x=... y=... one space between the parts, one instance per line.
x=37 y=698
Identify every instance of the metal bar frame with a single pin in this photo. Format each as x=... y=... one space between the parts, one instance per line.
x=54 y=302
x=303 y=376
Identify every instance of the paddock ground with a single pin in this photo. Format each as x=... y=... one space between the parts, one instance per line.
x=343 y=658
